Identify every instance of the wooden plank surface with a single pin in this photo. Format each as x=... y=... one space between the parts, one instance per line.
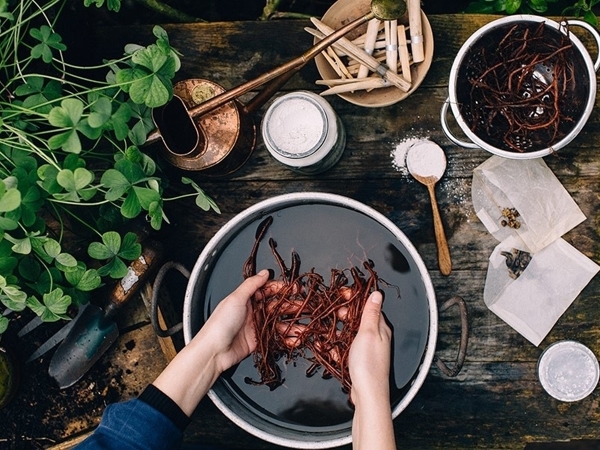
x=496 y=401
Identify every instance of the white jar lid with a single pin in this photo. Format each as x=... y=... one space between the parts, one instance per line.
x=568 y=371
x=295 y=125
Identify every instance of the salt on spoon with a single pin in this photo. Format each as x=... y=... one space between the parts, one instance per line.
x=426 y=162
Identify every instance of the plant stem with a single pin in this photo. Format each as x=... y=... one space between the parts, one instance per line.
x=271 y=7
x=100 y=66
x=76 y=217
x=169 y=11
x=31 y=146
x=179 y=197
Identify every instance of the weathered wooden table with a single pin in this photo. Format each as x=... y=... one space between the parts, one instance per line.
x=496 y=401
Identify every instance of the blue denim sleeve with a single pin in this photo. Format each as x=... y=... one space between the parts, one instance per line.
x=135 y=424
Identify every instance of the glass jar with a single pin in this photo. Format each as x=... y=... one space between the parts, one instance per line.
x=302 y=131
x=568 y=371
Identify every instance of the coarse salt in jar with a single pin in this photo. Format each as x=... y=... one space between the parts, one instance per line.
x=568 y=371
x=302 y=131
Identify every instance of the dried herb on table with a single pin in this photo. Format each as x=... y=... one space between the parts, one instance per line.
x=524 y=88
x=510 y=218
x=516 y=261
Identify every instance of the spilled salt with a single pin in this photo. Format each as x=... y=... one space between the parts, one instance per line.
x=399 y=153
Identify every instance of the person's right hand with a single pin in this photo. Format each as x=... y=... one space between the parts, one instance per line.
x=369 y=365
x=369 y=358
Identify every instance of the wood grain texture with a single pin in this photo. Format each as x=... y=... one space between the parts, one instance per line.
x=496 y=401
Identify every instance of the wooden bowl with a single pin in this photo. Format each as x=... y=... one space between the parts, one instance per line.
x=344 y=11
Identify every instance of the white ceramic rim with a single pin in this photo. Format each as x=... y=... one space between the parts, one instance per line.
x=505 y=153
x=335 y=199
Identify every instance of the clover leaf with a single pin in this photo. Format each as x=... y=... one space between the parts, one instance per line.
x=143 y=123
x=19 y=157
x=21 y=246
x=202 y=200
x=54 y=306
x=111 y=5
x=38 y=95
x=76 y=184
x=119 y=121
x=101 y=112
x=4 y=13
x=7 y=261
x=113 y=249
x=139 y=198
x=148 y=81
x=47 y=178
x=3 y=320
x=12 y=296
x=23 y=179
x=124 y=182
x=84 y=279
x=10 y=199
x=50 y=250
x=69 y=115
x=117 y=184
x=48 y=41
x=31 y=203
x=155 y=211
x=163 y=42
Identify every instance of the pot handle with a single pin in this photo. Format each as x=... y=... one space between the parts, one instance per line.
x=446 y=128
x=154 y=300
x=464 y=337
x=594 y=33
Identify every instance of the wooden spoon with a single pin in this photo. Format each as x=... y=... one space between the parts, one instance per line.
x=426 y=162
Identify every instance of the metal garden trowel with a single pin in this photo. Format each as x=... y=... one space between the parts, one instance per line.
x=95 y=330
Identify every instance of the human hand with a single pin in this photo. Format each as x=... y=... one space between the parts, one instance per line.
x=369 y=365
x=226 y=338
x=369 y=358
x=229 y=331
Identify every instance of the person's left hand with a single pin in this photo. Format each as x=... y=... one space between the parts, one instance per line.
x=229 y=330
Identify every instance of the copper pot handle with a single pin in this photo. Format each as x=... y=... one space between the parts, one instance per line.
x=464 y=337
x=154 y=300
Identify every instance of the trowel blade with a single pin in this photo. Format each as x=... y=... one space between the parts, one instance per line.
x=90 y=337
x=57 y=337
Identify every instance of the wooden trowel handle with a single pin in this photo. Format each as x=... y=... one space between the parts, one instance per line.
x=137 y=272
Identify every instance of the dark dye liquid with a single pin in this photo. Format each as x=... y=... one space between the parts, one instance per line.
x=479 y=108
x=325 y=237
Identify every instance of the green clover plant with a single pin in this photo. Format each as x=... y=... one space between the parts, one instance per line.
x=581 y=8
x=72 y=171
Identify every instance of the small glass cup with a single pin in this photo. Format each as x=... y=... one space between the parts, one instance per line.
x=568 y=371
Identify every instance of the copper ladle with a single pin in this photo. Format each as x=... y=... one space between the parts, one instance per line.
x=181 y=126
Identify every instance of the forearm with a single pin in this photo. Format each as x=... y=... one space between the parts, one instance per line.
x=225 y=339
x=189 y=376
x=372 y=425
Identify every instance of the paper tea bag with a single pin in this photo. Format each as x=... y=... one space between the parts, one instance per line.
x=523 y=198
x=536 y=289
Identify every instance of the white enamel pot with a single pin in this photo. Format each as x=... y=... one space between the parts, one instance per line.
x=327 y=231
x=586 y=74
